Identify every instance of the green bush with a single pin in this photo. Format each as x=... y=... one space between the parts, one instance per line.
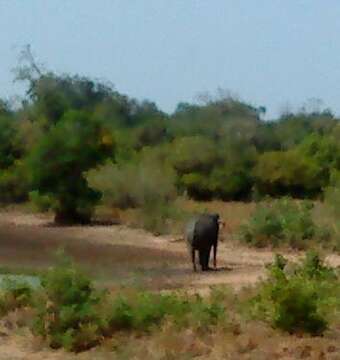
x=67 y=309
x=134 y=184
x=280 y=222
x=71 y=314
x=146 y=183
x=279 y=173
x=151 y=133
x=208 y=169
x=193 y=154
x=10 y=147
x=295 y=308
x=14 y=184
x=145 y=310
x=42 y=203
x=116 y=183
x=332 y=204
x=302 y=300
x=14 y=294
x=324 y=152
x=162 y=218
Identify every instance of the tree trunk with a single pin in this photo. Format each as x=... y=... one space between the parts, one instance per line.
x=70 y=216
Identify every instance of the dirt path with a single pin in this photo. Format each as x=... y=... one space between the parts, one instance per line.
x=118 y=254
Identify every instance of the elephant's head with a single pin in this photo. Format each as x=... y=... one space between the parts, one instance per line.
x=217 y=218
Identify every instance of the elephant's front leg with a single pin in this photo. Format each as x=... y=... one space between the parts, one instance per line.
x=204 y=259
x=202 y=253
x=215 y=253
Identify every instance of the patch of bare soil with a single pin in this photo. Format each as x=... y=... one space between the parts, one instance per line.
x=118 y=255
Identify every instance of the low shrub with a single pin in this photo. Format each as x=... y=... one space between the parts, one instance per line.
x=14 y=294
x=134 y=184
x=14 y=185
x=162 y=218
x=70 y=313
x=67 y=309
x=302 y=300
x=41 y=203
x=280 y=222
x=332 y=204
x=145 y=310
x=146 y=185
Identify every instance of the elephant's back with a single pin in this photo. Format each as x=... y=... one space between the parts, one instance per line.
x=205 y=232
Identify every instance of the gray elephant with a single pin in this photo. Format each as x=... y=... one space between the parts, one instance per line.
x=201 y=234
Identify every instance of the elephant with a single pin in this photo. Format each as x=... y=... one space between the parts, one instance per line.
x=201 y=234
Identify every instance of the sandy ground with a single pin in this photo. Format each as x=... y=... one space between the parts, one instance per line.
x=116 y=255
x=120 y=253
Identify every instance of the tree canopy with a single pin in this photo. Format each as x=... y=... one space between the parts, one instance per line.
x=218 y=148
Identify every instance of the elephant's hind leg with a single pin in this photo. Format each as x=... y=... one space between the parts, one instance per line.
x=193 y=259
x=202 y=259
x=207 y=258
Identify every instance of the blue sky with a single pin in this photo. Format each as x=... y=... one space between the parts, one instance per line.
x=269 y=52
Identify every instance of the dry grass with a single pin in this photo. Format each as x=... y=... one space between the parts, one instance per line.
x=234 y=213
x=251 y=341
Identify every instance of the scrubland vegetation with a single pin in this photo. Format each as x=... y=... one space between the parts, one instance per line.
x=284 y=222
x=76 y=145
x=68 y=311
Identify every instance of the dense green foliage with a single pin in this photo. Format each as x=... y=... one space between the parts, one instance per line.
x=282 y=222
x=14 y=294
x=219 y=148
x=303 y=298
x=58 y=162
x=67 y=309
x=145 y=310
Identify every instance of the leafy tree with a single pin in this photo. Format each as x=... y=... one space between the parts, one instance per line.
x=292 y=129
x=280 y=173
x=13 y=182
x=194 y=153
x=152 y=133
x=9 y=144
x=57 y=164
x=233 y=180
x=219 y=147
x=324 y=151
x=207 y=170
x=215 y=118
x=51 y=95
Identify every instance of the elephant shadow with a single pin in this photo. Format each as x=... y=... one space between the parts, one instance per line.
x=219 y=269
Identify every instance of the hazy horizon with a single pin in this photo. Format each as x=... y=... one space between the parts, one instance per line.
x=270 y=53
